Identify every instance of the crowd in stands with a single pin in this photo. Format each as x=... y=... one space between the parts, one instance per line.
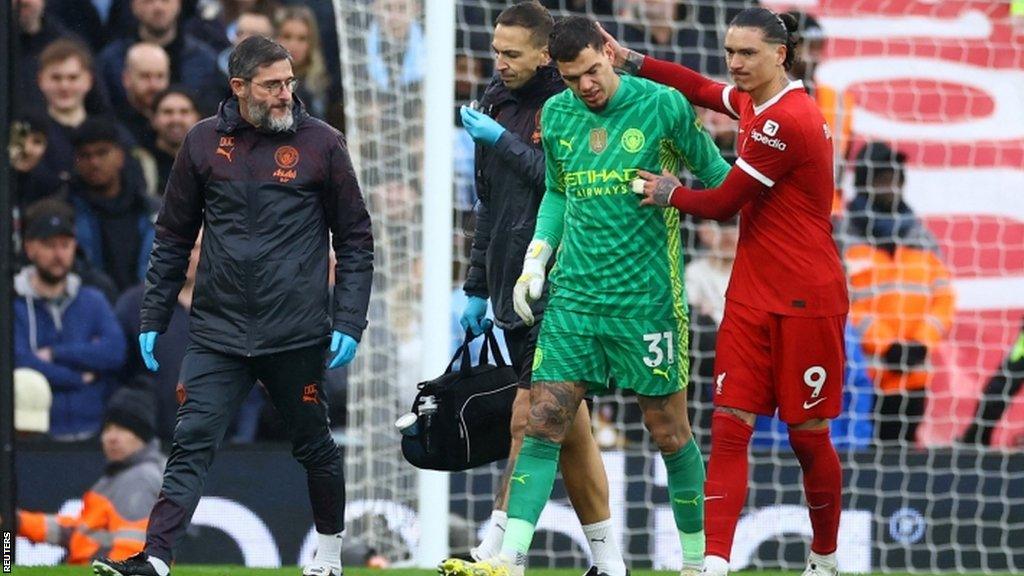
x=106 y=91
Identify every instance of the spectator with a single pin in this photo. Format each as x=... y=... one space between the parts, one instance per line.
x=1002 y=387
x=113 y=220
x=901 y=298
x=664 y=29
x=146 y=73
x=298 y=33
x=174 y=114
x=27 y=148
x=97 y=21
x=36 y=30
x=594 y=7
x=395 y=45
x=836 y=107
x=62 y=329
x=114 y=512
x=707 y=277
x=217 y=20
x=65 y=77
x=248 y=24
x=193 y=62
x=170 y=347
x=32 y=402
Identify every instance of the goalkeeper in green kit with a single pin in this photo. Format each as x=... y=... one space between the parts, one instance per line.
x=616 y=301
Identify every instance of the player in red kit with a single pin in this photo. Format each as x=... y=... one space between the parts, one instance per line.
x=780 y=345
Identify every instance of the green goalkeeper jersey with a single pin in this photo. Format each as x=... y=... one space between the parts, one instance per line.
x=617 y=258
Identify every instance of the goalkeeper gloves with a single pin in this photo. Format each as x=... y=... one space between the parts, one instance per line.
x=530 y=285
x=481 y=127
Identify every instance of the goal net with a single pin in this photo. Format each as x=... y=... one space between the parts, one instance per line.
x=925 y=97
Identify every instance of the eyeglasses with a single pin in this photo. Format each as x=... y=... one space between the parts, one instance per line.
x=274 y=87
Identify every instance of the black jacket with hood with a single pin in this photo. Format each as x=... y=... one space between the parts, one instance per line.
x=266 y=202
x=510 y=185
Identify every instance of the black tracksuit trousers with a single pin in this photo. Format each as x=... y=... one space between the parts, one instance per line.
x=213 y=385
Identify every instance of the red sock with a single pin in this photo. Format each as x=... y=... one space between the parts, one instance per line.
x=823 y=485
x=725 y=491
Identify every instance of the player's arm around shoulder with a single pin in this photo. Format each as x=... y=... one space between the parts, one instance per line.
x=699 y=152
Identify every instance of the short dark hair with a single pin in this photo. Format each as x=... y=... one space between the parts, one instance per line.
x=875 y=159
x=808 y=26
x=572 y=35
x=777 y=28
x=63 y=49
x=531 y=16
x=252 y=54
x=176 y=89
x=97 y=129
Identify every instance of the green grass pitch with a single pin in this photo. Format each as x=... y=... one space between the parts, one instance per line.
x=295 y=571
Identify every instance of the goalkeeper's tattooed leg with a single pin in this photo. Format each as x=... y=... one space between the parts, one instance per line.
x=553 y=406
x=520 y=411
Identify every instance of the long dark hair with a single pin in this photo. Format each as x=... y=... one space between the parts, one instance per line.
x=777 y=28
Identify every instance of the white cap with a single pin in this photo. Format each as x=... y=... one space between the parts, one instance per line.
x=32 y=400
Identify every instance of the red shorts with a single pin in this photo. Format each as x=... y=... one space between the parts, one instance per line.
x=765 y=361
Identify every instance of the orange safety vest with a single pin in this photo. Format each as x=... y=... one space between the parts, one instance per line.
x=114 y=517
x=902 y=297
x=837 y=108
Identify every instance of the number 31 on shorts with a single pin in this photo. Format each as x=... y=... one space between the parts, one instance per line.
x=656 y=355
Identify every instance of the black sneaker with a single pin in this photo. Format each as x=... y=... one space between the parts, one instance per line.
x=137 y=565
x=595 y=572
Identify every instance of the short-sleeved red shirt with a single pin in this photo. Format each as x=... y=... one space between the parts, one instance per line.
x=786 y=261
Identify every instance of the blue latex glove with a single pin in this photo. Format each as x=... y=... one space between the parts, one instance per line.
x=481 y=127
x=343 y=349
x=473 y=315
x=147 y=341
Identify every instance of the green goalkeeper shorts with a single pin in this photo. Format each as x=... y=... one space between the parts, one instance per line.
x=649 y=357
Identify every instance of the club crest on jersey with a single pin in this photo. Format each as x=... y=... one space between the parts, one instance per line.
x=771 y=127
x=633 y=140
x=598 y=140
x=287 y=158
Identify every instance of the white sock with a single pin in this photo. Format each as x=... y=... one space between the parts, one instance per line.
x=604 y=548
x=490 y=546
x=825 y=560
x=161 y=567
x=328 y=550
x=716 y=565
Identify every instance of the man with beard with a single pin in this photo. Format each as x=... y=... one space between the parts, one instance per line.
x=112 y=212
x=270 y=186
x=62 y=329
x=146 y=73
x=193 y=62
x=174 y=114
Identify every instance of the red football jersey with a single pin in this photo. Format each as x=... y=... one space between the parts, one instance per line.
x=787 y=261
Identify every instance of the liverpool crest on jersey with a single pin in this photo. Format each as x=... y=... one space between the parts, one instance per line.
x=598 y=140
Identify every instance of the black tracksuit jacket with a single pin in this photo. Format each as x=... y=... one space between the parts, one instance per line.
x=510 y=185
x=266 y=202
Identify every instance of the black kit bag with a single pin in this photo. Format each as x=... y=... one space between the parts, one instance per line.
x=470 y=425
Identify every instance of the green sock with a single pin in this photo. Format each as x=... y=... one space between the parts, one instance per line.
x=686 y=490
x=529 y=489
